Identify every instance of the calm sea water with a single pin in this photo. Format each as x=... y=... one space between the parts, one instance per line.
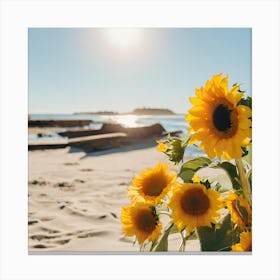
x=170 y=123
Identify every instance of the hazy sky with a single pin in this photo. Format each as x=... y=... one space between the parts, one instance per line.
x=73 y=70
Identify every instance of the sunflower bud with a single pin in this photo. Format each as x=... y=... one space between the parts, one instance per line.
x=175 y=148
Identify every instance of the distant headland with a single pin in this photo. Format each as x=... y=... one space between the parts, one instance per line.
x=152 y=111
x=137 y=111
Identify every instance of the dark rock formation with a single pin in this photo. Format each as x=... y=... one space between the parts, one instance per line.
x=100 y=142
x=58 y=123
x=135 y=132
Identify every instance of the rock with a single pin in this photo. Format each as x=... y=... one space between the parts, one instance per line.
x=135 y=132
x=99 y=142
x=58 y=123
x=155 y=130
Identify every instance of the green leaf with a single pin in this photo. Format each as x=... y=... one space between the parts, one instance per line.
x=247 y=101
x=186 y=175
x=162 y=245
x=185 y=141
x=190 y=167
x=232 y=173
x=197 y=163
x=219 y=239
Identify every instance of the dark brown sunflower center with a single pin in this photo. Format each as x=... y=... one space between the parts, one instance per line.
x=153 y=190
x=195 y=202
x=222 y=118
x=146 y=221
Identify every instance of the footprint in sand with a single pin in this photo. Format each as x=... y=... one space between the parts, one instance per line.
x=125 y=239
x=123 y=184
x=102 y=217
x=93 y=233
x=47 y=219
x=39 y=182
x=86 y=169
x=79 y=181
x=113 y=214
x=32 y=222
x=62 y=241
x=70 y=163
x=64 y=185
x=41 y=246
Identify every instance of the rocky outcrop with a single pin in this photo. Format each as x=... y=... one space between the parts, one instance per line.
x=108 y=137
x=100 y=142
x=58 y=123
x=134 y=132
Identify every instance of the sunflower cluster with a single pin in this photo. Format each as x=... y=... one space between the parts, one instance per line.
x=220 y=123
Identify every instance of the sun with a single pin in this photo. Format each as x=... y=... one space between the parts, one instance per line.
x=124 y=38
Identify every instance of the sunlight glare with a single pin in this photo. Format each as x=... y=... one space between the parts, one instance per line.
x=124 y=38
x=126 y=120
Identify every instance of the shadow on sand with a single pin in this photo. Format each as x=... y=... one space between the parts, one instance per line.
x=113 y=150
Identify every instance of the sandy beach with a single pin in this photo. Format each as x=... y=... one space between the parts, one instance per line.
x=75 y=199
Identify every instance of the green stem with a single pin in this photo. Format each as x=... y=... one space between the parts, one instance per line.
x=243 y=180
x=183 y=245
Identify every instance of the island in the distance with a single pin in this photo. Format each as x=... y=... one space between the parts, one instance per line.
x=137 y=111
x=152 y=111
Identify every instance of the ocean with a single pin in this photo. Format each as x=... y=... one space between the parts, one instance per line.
x=170 y=123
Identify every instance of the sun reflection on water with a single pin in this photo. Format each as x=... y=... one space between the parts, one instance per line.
x=126 y=120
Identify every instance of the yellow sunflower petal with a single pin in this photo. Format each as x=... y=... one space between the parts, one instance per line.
x=194 y=206
x=245 y=244
x=139 y=219
x=153 y=184
x=217 y=121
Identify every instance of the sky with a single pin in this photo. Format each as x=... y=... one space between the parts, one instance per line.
x=113 y=69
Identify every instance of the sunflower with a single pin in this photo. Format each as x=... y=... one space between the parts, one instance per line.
x=161 y=147
x=153 y=184
x=239 y=209
x=193 y=206
x=140 y=219
x=245 y=244
x=217 y=121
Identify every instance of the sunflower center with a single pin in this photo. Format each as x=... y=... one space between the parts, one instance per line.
x=222 y=118
x=153 y=190
x=146 y=221
x=195 y=202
